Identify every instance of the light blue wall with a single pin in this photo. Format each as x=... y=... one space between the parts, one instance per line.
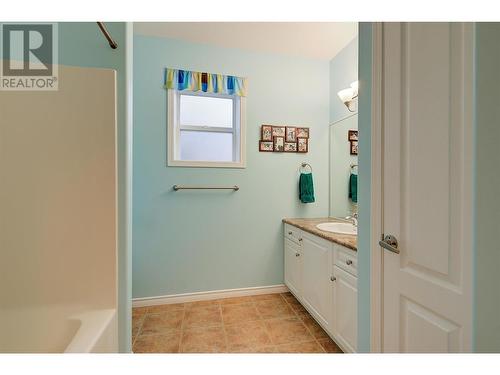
x=487 y=187
x=343 y=71
x=191 y=241
x=364 y=187
x=82 y=44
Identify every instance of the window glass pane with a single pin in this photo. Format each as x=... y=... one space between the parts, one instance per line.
x=206 y=146
x=206 y=111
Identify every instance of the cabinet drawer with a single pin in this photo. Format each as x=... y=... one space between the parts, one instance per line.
x=293 y=233
x=346 y=259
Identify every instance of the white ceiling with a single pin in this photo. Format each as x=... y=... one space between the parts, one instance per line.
x=315 y=40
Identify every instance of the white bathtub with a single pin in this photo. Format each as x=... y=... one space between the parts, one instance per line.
x=97 y=332
x=58 y=329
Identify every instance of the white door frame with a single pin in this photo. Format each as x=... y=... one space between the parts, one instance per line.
x=376 y=177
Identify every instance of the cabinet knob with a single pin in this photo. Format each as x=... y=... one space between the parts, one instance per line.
x=297 y=254
x=333 y=278
x=300 y=239
x=348 y=262
x=290 y=233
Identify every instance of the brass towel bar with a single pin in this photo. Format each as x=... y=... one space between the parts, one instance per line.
x=182 y=187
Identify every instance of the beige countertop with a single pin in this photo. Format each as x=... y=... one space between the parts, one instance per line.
x=309 y=225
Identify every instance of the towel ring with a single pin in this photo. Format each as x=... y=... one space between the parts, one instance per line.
x=305 y=165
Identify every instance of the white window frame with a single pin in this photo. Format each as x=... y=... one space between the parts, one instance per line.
x=174 y=131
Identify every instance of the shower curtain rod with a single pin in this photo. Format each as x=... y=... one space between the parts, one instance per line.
x=110 y=40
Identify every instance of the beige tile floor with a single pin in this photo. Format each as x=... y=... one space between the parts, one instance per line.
x=270 y=323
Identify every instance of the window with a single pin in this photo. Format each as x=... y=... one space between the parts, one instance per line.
x=205 y=129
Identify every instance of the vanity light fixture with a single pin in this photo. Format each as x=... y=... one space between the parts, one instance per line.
x=348 y=95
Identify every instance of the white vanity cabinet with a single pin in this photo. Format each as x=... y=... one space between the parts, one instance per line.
x=345 y=309
x=316 y=267
x=345 y=297
x=323 y=277
x=292 y=267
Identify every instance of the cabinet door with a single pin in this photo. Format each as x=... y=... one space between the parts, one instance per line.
x=316 y=273
x=345 y=309
x=292 y=267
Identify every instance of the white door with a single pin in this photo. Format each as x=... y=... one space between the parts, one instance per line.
x=345 y=309
x=427 y=179
x=292 y=267
x=317 y=271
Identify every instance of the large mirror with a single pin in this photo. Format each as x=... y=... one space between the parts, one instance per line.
x=343 y=164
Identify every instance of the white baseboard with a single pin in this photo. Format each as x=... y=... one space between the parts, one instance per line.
x=205 y=296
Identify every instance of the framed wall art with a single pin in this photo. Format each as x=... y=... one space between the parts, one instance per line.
x=302 y=132
x=266 y=146
x=266 y=133
x=353 y=135
x=302 y=144
x=291 y=135
x=354 y=147
x=290 y=147
x=279 y=131
x=283 y=138
x=279 y=144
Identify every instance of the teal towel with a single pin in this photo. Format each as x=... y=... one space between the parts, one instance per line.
x=306 y=188
x=353 y=187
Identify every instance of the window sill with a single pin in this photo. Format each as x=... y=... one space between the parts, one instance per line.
x=205 y=164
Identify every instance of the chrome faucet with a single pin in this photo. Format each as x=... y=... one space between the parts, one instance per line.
x=353 y=219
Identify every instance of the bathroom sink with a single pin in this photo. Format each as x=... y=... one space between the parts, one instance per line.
x=340 y=228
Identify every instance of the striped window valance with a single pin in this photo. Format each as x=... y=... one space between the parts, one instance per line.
x=207 y=82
